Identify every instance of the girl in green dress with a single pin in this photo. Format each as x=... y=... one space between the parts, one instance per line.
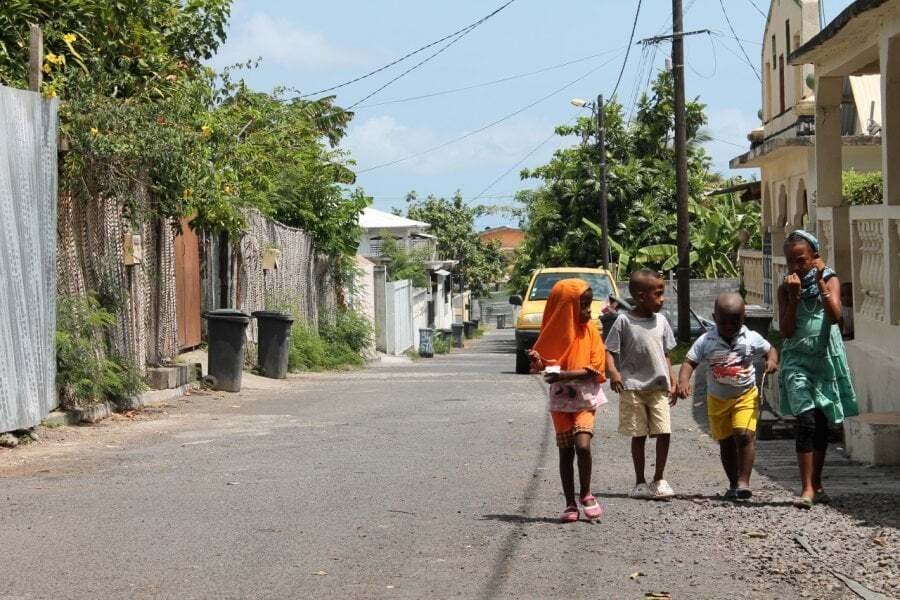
x=814 y=380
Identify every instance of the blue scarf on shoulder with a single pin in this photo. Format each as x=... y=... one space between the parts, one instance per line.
x=809 y=287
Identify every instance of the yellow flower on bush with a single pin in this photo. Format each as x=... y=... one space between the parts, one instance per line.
x=227 y=189
x=94 y=131
x=187 y=193
x=69 y=38
x=56 y=59
x=46 y=68
x=206 y=130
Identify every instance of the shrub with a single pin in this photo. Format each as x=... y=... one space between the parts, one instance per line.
x=335 y=345
x=441 y=344
x=862 y=189
x=84 y=373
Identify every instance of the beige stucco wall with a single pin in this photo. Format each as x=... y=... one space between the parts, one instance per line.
x=803 y=17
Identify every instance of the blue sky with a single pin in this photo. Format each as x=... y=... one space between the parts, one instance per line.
x=313 y=45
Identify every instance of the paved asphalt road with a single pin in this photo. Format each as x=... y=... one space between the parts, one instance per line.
x=428 y=480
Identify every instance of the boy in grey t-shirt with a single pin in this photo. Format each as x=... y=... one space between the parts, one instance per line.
x=732 y=399
x=638 y=345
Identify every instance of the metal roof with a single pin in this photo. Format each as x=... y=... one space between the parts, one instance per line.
x=372 y=218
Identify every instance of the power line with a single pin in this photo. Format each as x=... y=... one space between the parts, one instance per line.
x=740 y=39
x=742 y=59
x=528 y=155
x=758 y=9
x=489 y=83
x=412 y=68
x=715 y=56
x=459 y=32
x=713 y=139
x=734 y=33
x=487 y=126
x=637 y=13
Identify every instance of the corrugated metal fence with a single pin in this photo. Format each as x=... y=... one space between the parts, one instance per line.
x=28 y=175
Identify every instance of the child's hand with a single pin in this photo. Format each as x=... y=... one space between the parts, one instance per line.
x=792 y=283
x=771 y=366
x=683 y=390
x=537 y=363
x=673 y=395
x=615 y=382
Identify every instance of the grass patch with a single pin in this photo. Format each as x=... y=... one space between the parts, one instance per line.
x=480 y=332
x=337 y=344
x=441 y=344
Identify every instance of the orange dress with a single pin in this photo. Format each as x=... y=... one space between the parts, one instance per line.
x=572 y=345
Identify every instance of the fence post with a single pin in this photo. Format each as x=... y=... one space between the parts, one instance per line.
x=35 y=58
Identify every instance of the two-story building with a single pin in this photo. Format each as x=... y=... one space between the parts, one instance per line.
x=863 y=242
x=783 y=147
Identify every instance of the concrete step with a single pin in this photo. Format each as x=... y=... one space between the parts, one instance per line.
x=172 y=377
x=874 y=438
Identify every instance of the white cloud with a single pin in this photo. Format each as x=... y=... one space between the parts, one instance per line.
x=383 y=139
x=729 y=125
x=280 y=42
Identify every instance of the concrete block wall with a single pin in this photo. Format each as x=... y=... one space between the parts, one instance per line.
x=703 y=296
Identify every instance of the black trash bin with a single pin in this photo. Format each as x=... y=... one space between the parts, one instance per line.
x=501 y=321
x=458 y=331
x=226 y=333
x=274 y=342
x=426 y=343
x=469 y=329
x=476 y=323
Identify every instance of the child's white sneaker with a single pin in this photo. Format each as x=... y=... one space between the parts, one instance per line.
x=641 y=491
x=662 y=490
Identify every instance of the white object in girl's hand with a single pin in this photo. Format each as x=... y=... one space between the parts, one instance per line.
x=555 y=369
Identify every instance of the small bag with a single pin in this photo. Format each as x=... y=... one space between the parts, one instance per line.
x=569 y=396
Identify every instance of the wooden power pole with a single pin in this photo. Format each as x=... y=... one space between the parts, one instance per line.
x=35 y=58
x=604 y=202
x=683 y=274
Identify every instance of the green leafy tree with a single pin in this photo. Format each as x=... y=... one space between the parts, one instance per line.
x=452 y=222
x=560 y=216
x=403 y=264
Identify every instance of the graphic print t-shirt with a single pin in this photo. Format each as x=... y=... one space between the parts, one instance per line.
x=731 y=372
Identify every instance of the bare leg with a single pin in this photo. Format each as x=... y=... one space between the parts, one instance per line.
x=585 y=461
x=662 y=455
x=637 y=456
x=729 y=455
x=818 y=465
x=745 y=441
x=805 y=460
x=567 y=474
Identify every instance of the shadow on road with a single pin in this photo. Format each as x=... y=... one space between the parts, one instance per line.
x=510 y=545
x=520 y=519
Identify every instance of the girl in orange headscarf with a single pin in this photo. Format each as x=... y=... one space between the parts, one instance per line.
x=574 y=356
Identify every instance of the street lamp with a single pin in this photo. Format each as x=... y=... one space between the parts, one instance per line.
x=597 y=111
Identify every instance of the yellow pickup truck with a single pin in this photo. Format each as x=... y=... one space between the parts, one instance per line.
x=528 y=324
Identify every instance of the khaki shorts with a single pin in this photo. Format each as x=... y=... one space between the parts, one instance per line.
x=643 y=413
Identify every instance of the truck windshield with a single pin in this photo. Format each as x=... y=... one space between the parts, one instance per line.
x=600 y=284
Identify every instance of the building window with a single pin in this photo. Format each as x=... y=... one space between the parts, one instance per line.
x=774 y=54
x=787 y=37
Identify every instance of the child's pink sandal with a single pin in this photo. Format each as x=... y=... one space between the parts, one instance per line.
x=570 y=515
x=592 y=508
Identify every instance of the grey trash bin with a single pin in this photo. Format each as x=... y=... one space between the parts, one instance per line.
x=426 y=343
x=501 y=321
x=226 y=332
x=458 y=339
x=274 y=342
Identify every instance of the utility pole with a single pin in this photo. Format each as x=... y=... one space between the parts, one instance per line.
x=683 y=274
x=604 y=203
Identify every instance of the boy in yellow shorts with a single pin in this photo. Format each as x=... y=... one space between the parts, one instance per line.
x=733 y=398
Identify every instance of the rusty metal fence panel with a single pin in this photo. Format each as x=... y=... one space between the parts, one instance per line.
x=28 y=178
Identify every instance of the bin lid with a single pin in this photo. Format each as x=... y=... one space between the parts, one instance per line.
x=274 y=315
x=227 y=314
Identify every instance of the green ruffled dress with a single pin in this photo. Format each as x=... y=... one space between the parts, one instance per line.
x=814 y=371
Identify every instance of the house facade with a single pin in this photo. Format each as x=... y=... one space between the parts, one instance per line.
x=783 y=147
x=863 y=242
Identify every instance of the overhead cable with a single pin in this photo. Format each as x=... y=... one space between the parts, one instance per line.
x=741 y=45
x=637 y=13
x=488 y=125
x=455 y=34
x=489 y=83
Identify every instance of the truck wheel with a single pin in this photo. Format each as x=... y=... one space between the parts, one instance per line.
x=523 y=365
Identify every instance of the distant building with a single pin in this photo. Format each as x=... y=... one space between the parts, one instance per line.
x=377 y=225
x=510 y=238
